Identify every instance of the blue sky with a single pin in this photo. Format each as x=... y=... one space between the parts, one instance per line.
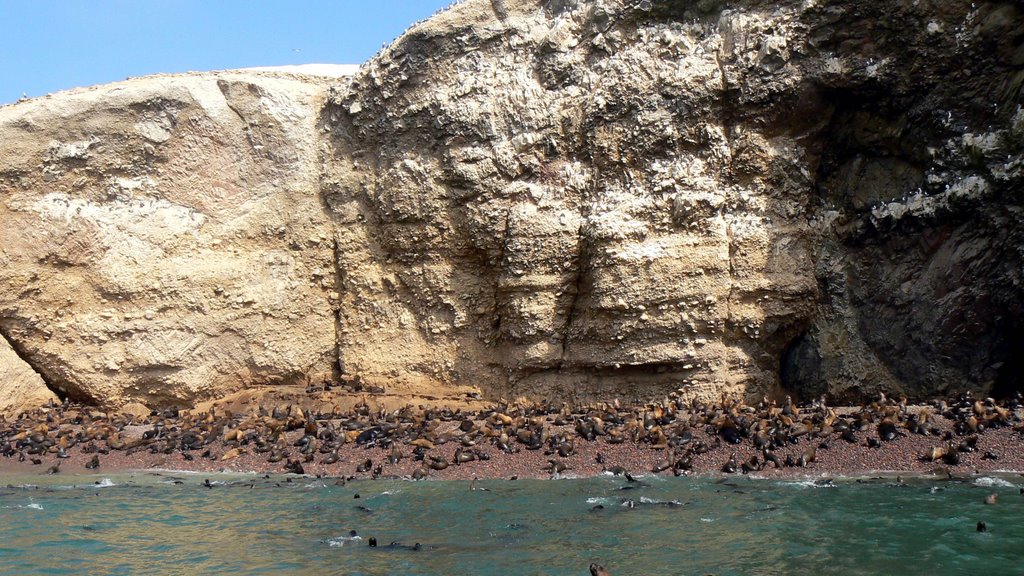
x=59 y=44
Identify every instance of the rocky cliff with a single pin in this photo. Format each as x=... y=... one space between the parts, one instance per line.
x=163 y=239
x=553 y=199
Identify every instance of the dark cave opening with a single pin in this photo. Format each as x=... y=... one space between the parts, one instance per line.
x=799 y=369
x=1010 y=377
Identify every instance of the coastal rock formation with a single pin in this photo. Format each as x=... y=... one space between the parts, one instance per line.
x=555 y=199
x=162 y=238
x=21 y=385
x=580 y=199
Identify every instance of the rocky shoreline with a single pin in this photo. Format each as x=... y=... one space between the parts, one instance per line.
x=943 y=437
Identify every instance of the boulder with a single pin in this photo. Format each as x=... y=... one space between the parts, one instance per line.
x=163 y=238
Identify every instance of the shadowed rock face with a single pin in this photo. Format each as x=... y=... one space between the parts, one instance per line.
x=592 y=198
x=551 y=199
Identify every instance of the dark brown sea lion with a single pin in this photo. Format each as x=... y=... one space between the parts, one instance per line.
x=730 y=465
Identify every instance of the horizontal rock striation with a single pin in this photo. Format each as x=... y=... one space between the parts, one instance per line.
x=550 y=199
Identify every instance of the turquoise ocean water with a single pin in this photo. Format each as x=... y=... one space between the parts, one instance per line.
x=148 y=524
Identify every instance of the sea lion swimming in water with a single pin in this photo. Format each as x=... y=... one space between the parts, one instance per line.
x=341 y=540
x=633 y=483
x=395 y=545
x=598 y=570
x=399 y=546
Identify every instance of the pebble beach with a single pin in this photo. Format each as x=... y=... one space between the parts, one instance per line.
x=943 y=438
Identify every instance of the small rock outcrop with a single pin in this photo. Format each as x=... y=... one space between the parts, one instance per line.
x=22 y=387
x=555 y=199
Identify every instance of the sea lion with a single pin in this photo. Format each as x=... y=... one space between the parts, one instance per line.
x=807 y=457
x=565 y=449
x=437 y=463
x=682 y=465
x=463 y=456
x=936 y=453
x=991 y=498
x=752 y=465
x=730 y=465
x=632 y=483
x=556 y=467
x=664 y=464
x=952 y=458
x=395 y=455
x=982 y=527
x=887 y=430
x=399 y=546
x=94 y=463
x=598 y=570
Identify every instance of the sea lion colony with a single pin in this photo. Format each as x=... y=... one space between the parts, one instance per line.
x=728 y=436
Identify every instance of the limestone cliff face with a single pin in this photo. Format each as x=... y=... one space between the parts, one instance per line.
x=162 y=238
x=575 y=198
x=561 y=199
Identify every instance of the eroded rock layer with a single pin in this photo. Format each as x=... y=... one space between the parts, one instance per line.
x=554 y=199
